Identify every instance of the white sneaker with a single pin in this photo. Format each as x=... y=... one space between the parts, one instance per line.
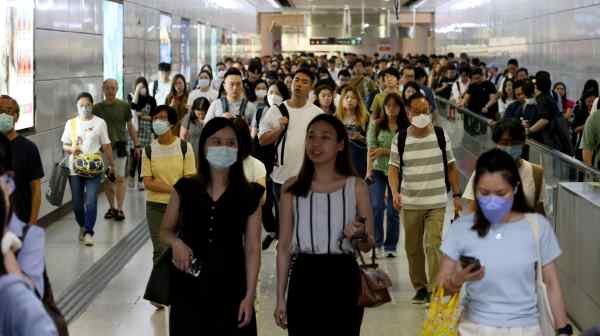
x=81 y=234
x=140 y=185
x=390 y=254
x=131 y=183
x=88 y=240
x=378 y=252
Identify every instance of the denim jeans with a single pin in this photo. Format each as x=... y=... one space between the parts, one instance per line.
x=380 y=205
x=84 y=192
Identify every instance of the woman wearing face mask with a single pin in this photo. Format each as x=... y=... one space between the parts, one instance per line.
x=85 y=134
x=324 y=94
x=509 y=136
x=177 y=99
x=203 y=88
x=353 y=113
x=143 y=104
x=261 y=91
x=219 y=246
x=218 y=81
x=22 y=312
x=322 y=210
x=166 y=160
x=193 y=122
x=410 y=89
x=276 y=95
x=501 y=295
x=379 y=140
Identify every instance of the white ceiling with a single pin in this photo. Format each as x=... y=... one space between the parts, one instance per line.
x=339 y=4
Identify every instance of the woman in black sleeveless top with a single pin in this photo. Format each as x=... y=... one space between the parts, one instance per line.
x=217 y=250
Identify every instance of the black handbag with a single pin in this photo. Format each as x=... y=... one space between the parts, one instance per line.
x=158 y=288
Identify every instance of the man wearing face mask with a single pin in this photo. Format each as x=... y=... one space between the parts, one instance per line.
x=509 y=135
x=161 y=87
x=234 y=104
x=421 y=172
x=84 y=135
x=27 y=197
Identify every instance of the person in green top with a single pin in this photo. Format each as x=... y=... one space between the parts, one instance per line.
x=391 y=78
x=117 y=115
x=379 y=141
x=590 y=142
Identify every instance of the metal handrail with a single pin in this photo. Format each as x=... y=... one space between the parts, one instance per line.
x=555 y=154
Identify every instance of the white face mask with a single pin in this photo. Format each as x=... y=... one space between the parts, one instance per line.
x=221 y=74
x=421 y=121
x=274 y=100
x=202 y=83
x=84 y=111
x=261 y=93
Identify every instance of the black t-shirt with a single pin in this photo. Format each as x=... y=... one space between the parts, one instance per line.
x=447 y=92
x=28 y=167
x=480 y=95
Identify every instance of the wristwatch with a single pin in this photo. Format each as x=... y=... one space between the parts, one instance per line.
x=566 y=330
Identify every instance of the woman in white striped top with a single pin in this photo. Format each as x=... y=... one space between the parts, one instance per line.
x=321 y=210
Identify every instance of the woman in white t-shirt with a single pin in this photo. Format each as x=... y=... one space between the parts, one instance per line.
x=203 y=89
x=86 y=134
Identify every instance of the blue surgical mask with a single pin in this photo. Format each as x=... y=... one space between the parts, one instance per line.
x=9 y=183
x=494 y=207
x=221 y=157
x=7 y=123
x=514 y=151
x=84 y=111
x=160 y=126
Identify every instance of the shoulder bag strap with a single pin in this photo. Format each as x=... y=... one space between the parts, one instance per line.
x=535 y=228
x=243 y=108
x=282 y=139
x=441 y=139
x=224 y=104
x=155 y=88
x=74 y=131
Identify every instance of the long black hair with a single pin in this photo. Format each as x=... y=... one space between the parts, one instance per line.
x=325 y=86
x=173 y=91
x=402 y=121
x=6 y=167
x=199 y=104
x=343 y=161
x=237 y=179
x=498 y=161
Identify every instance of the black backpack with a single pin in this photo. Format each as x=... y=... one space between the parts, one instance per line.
x=225 y=105
x=155 y=89
x=441 y=140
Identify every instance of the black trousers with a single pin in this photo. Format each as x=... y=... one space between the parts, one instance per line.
x=269 y=218
x=323 y=296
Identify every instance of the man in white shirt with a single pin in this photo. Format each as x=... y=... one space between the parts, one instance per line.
x=161 y=87
x=234 y=104
x=289 y=133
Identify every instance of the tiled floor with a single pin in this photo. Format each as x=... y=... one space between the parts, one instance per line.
x=67 y=259
x=121 y=311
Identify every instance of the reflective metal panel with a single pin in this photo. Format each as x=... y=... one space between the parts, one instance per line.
x=134 y=20
x=52 y=54
x=133 y=53
x=85 y=16
x=86 y=55
x=151 y=59
x=52 y=14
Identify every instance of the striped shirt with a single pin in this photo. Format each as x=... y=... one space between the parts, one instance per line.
x=423 y=181
x=320 y=219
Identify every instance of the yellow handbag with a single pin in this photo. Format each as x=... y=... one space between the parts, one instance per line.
x=86 y=165
x=443 y=315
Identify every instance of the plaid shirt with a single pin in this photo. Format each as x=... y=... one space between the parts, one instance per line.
x=145 y=134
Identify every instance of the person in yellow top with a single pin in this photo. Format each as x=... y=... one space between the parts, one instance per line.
x=391 y=78
x=166 y=160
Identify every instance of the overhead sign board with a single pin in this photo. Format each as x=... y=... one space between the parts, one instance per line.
x=336 y=41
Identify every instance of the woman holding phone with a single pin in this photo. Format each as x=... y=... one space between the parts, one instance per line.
x=321 y=211
x=498 y=253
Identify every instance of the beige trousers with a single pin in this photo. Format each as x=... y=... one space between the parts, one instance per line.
x=467 y=328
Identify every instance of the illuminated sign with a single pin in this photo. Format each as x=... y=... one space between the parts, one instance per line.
x=350 y=41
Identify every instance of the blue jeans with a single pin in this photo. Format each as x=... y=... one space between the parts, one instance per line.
x=84 y=192
x=378 y=201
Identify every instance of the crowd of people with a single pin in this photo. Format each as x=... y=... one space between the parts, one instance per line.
x=331 y=155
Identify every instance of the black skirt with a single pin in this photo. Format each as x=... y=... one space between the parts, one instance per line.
x=323 y=296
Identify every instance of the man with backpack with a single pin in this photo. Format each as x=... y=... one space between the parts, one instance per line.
x=234 y=104
x=161 y=87
x=285 y=126
x=421 y=172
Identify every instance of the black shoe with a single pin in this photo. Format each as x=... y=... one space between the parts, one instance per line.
x=266 y=243
x=110 y=214
x=421 y=297
x=119 y=215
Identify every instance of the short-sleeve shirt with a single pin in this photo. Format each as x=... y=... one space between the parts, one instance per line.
x=216 y=110
x=211 y=95
x=167 y=165
x=506 y=296
x=479 y=95
x=527 y=179
x=254 y=169
x=295 y=137
x=591 y=136
x=423 y=174
x=91 y=135
x=381 y=139
x=116 y=116
x=28 y=168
